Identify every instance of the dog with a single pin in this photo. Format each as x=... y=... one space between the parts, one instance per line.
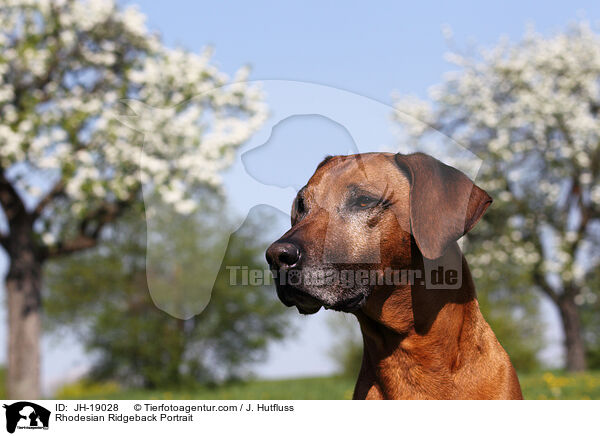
x=370 y=233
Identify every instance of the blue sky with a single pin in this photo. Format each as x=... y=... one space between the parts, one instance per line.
x=367 y=49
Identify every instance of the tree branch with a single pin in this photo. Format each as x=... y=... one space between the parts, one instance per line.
x=56 y=191
x=4 y=241
x=541 y=281
x=539 y=277
x=80 y=242
x=11 y=201
x=90 y=228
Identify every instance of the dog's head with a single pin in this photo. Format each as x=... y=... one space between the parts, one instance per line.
x=359 y=215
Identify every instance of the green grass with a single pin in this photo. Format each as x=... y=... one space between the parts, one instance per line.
x=557 y=385
x=543 y=385
x=317 y=388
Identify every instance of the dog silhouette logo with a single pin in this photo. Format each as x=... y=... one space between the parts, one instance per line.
x=26 y=415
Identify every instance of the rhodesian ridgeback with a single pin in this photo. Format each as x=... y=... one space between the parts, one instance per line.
x=376 y=235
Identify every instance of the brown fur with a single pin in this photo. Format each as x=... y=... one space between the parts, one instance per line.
x=418 y=343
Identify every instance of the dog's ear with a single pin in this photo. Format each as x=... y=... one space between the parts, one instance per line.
x=444 y=203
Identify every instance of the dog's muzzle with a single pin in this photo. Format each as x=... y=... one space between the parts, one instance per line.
x=284 y=260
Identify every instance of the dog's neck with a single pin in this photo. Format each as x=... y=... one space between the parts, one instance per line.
x=417 y=339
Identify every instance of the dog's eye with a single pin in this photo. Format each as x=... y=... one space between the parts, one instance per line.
x=300 y=208
x=365 y=202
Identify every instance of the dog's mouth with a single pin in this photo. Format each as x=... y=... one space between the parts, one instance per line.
x=351 y=304
x=305 y=303
x=308 y=304
x=299 y=288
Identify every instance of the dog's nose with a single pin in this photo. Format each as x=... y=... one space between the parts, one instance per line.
x=282 y=255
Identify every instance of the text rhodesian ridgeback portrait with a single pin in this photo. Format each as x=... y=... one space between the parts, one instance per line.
x=375 y=235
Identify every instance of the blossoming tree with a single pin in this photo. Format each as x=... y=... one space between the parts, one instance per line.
x=531 y=111
x=69 y=167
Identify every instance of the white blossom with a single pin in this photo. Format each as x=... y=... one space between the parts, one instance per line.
x=118 y=110
x=531 y=110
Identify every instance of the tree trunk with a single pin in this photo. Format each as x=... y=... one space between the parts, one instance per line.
x=23 y=286
x=574 y=343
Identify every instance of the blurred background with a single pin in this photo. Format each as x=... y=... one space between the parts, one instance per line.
x=146 y=147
